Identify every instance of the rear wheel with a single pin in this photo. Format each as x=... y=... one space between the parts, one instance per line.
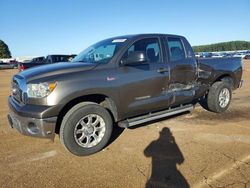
x=218 y=98
x=86 y=129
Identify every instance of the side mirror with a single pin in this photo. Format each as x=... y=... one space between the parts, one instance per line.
x=135 y=58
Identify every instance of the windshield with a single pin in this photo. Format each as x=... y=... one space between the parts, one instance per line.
x=101 y=52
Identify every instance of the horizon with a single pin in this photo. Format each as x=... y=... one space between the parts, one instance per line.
x=61 y=27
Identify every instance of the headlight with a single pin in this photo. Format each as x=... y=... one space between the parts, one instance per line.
x=40 y=90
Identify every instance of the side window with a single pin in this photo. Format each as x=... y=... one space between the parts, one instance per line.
x=176 y=50
x=149 y=46
x=131 y=49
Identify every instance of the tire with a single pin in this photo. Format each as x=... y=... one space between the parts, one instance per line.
x=214 y=100
x=78 y=132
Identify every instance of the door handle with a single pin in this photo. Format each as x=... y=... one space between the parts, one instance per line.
x=162 y=70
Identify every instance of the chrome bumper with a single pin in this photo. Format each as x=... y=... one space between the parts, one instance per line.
x=43 y=128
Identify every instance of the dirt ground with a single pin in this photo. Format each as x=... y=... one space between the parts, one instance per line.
x=198 y=149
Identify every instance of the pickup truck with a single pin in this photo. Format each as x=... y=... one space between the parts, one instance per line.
x=38 y=61
x=121 y=81
x=6 y=65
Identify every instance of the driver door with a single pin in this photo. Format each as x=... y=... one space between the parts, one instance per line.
x=143 y=87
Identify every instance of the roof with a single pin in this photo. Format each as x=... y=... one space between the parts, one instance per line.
x=146 y=35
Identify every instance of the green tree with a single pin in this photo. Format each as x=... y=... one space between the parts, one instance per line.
x=4 y=50
x=223 y=46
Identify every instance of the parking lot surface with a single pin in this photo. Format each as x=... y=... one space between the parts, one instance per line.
x=198 y=149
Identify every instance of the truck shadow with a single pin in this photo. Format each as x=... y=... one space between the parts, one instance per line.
x=233 y=114
x=117 y=131
x=165 y=155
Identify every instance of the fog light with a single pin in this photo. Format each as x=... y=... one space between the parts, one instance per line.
x=32 y=128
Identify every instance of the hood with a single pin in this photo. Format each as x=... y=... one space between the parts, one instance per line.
x=54 y=69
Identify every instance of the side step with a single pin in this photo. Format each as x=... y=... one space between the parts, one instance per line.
x=153 y=116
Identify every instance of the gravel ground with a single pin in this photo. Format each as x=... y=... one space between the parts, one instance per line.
x=198 y=149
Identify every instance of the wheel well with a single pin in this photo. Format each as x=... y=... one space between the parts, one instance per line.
x=225 y=77
x=103 y=100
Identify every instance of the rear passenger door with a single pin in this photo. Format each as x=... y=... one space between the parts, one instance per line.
x=182 y=69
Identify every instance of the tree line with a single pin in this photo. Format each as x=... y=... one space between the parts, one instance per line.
x=223 y=46
x=4 y=50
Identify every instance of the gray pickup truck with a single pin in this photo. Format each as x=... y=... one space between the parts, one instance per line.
x=121 y=81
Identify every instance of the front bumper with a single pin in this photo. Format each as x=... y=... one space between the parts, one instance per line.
x=43 y=128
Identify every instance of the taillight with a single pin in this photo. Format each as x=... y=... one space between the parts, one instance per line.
x=22 y=67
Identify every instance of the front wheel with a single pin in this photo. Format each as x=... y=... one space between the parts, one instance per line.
x=218 y=98
x=86 y=129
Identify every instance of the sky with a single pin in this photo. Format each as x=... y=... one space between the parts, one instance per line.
x=42 y=27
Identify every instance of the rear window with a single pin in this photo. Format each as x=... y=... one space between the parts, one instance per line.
x=189 y=49
x=176 y=50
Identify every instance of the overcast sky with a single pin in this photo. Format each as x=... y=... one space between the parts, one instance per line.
x=41 y=27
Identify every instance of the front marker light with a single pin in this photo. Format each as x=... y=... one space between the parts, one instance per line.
x=40 y=90
x=52 y=86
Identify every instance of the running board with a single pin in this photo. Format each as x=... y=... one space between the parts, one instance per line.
x=153 y=116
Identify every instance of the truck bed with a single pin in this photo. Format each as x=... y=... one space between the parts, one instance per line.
x=214 y=67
